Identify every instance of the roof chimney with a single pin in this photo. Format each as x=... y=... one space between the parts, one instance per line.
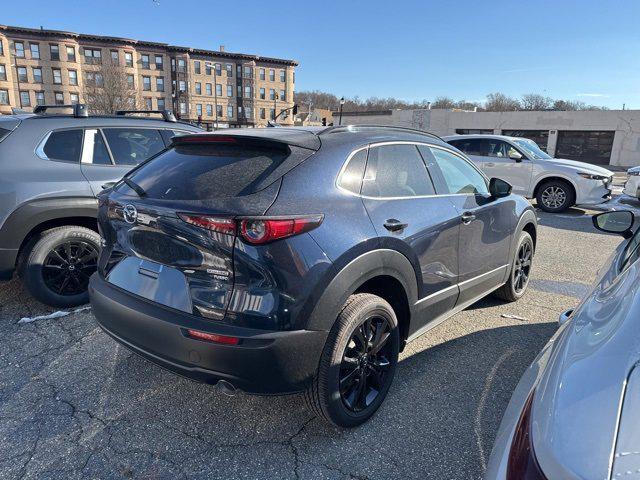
x=222 y=48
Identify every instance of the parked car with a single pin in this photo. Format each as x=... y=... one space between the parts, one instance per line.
x=556 y=184
x=575 y=412
x=632 y=186
x=53 y=166
x=282 y=260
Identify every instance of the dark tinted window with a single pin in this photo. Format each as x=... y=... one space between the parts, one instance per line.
x=199 y=172
x=396 y=171
x=100 y=153
x=351 y=177
x=131 y=146
x=64 y=145
x=470 y=146
x=453 y=174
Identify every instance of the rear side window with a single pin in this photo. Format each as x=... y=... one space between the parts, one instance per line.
x=351 y=177
x=64 y=145
x=131 y=146
x=453 y=174
x=200 y=172
x=396 y=171
x=4 y=133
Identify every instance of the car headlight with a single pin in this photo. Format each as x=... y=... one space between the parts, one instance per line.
x=591 y=176
x=633 y=173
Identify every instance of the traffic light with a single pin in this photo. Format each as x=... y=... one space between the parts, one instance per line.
x=324 y=121
x=295 y=110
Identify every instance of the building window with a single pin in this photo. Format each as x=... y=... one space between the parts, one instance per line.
x=128 y=59
x=115 y=57
x=229 y=68
x=272 y=94
x=248 y=72
x=182 y=86
x=183 y=108
x=209 y=110
x=207 y=68
x=1 y=48
x=229 y=91
x=92 y=56
x=99 y=80
x=263 y=113
x=94 y=79
x=198 y=88
x=240 y=115
x=262 y=93
x=207 y=89
x=218 y=90
x=3 y=73
x=146 y=84
x=283 y=95
x=199 y=109
x=247 y=91
x=272 y=75
x=37 y=75
x=55 y=52
x=161 y=105
x=218 y=69
x=239 y=70
x=148 y=103
x=25 y=99
x=4 y=97
x=22 y=74
x=144 y=61
x=182 y=65
x=196 y=67
x=262 y=74
x=19 y=49
x=218 y=111
x=39 y=98
x=57 y=76
x=272 y=113
x=248 y=113
x=75 y=98
x=229 y=111
x=239 y=90
x=130 y=81
x=282 y=75
x=71 y=54
x=159 y=62
x=160 y=84
x=35 y=50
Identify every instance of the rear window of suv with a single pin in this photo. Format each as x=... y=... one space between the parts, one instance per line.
x=200 y=172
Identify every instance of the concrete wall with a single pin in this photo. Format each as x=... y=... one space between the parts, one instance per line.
x=625 y=123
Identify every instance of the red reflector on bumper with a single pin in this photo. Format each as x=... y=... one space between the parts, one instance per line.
x=212 y=337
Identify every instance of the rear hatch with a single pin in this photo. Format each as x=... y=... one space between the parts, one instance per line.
x=170 y=226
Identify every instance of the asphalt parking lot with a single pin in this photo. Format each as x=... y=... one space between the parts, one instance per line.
x=74 y=404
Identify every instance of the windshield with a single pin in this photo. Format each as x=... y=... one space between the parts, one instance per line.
x=532 y=149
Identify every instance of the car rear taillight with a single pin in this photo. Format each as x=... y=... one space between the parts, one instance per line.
x=212 y=337
x=522 y=463
x=255 y=230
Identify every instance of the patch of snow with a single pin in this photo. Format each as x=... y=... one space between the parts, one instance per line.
x=50 y=316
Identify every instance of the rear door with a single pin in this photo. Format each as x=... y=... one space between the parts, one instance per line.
x=407 y=215
x=109 y=153
x=486 y=223
x=499 y=164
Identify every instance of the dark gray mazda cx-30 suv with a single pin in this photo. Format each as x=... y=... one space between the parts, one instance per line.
x=283 y=260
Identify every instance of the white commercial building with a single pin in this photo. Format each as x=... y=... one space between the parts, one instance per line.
x=609 y=137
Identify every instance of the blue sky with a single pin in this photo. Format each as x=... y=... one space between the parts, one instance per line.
x=586 y=50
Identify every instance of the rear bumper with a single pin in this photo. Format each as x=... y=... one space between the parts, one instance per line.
x=264 y=362
x=8 y=258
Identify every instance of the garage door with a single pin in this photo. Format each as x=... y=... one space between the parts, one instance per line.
x=585 y=146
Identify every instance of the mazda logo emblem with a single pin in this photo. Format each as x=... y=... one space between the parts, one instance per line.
x=130 y=214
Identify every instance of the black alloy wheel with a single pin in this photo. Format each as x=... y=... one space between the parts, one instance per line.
x=365 y=364
x=68 y=266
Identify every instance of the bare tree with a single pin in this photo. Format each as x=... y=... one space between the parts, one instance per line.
x=443 y=103
x=107 y=89
x=535 y=101
x=499 y=102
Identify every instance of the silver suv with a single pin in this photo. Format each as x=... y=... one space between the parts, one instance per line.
x=53 y=166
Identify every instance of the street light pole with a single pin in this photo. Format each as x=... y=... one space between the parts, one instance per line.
x=341 y=105
x=275 y=106
x=215 y=91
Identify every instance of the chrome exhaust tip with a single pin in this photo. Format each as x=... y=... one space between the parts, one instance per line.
x=225 y=387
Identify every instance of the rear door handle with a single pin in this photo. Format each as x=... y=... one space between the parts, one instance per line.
x=394 y=225
x=468 y=217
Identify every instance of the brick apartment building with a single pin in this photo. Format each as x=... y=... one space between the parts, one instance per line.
x=40 y=66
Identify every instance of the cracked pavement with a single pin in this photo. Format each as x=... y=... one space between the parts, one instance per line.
x=74 y=404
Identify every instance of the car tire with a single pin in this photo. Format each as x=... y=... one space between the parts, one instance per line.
x=69 y=252
x=347 y=361
x=520 y=273
x=555 y=196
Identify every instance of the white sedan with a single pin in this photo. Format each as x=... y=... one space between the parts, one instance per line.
x=632 y=187
x=555 y=183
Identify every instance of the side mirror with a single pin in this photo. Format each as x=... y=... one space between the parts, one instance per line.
x=499 y=188
x=619 y=221
x=515 y=155
x=108 y=185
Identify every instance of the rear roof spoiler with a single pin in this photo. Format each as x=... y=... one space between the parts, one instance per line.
x=275 y=136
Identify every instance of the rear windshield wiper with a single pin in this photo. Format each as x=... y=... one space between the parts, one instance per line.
x=134 y=186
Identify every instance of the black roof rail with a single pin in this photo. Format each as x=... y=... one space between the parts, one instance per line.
x=347 y=128
x=167 y=115
x=79 y=109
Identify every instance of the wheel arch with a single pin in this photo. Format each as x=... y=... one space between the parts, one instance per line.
x=527 y=223
x=555 y=177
